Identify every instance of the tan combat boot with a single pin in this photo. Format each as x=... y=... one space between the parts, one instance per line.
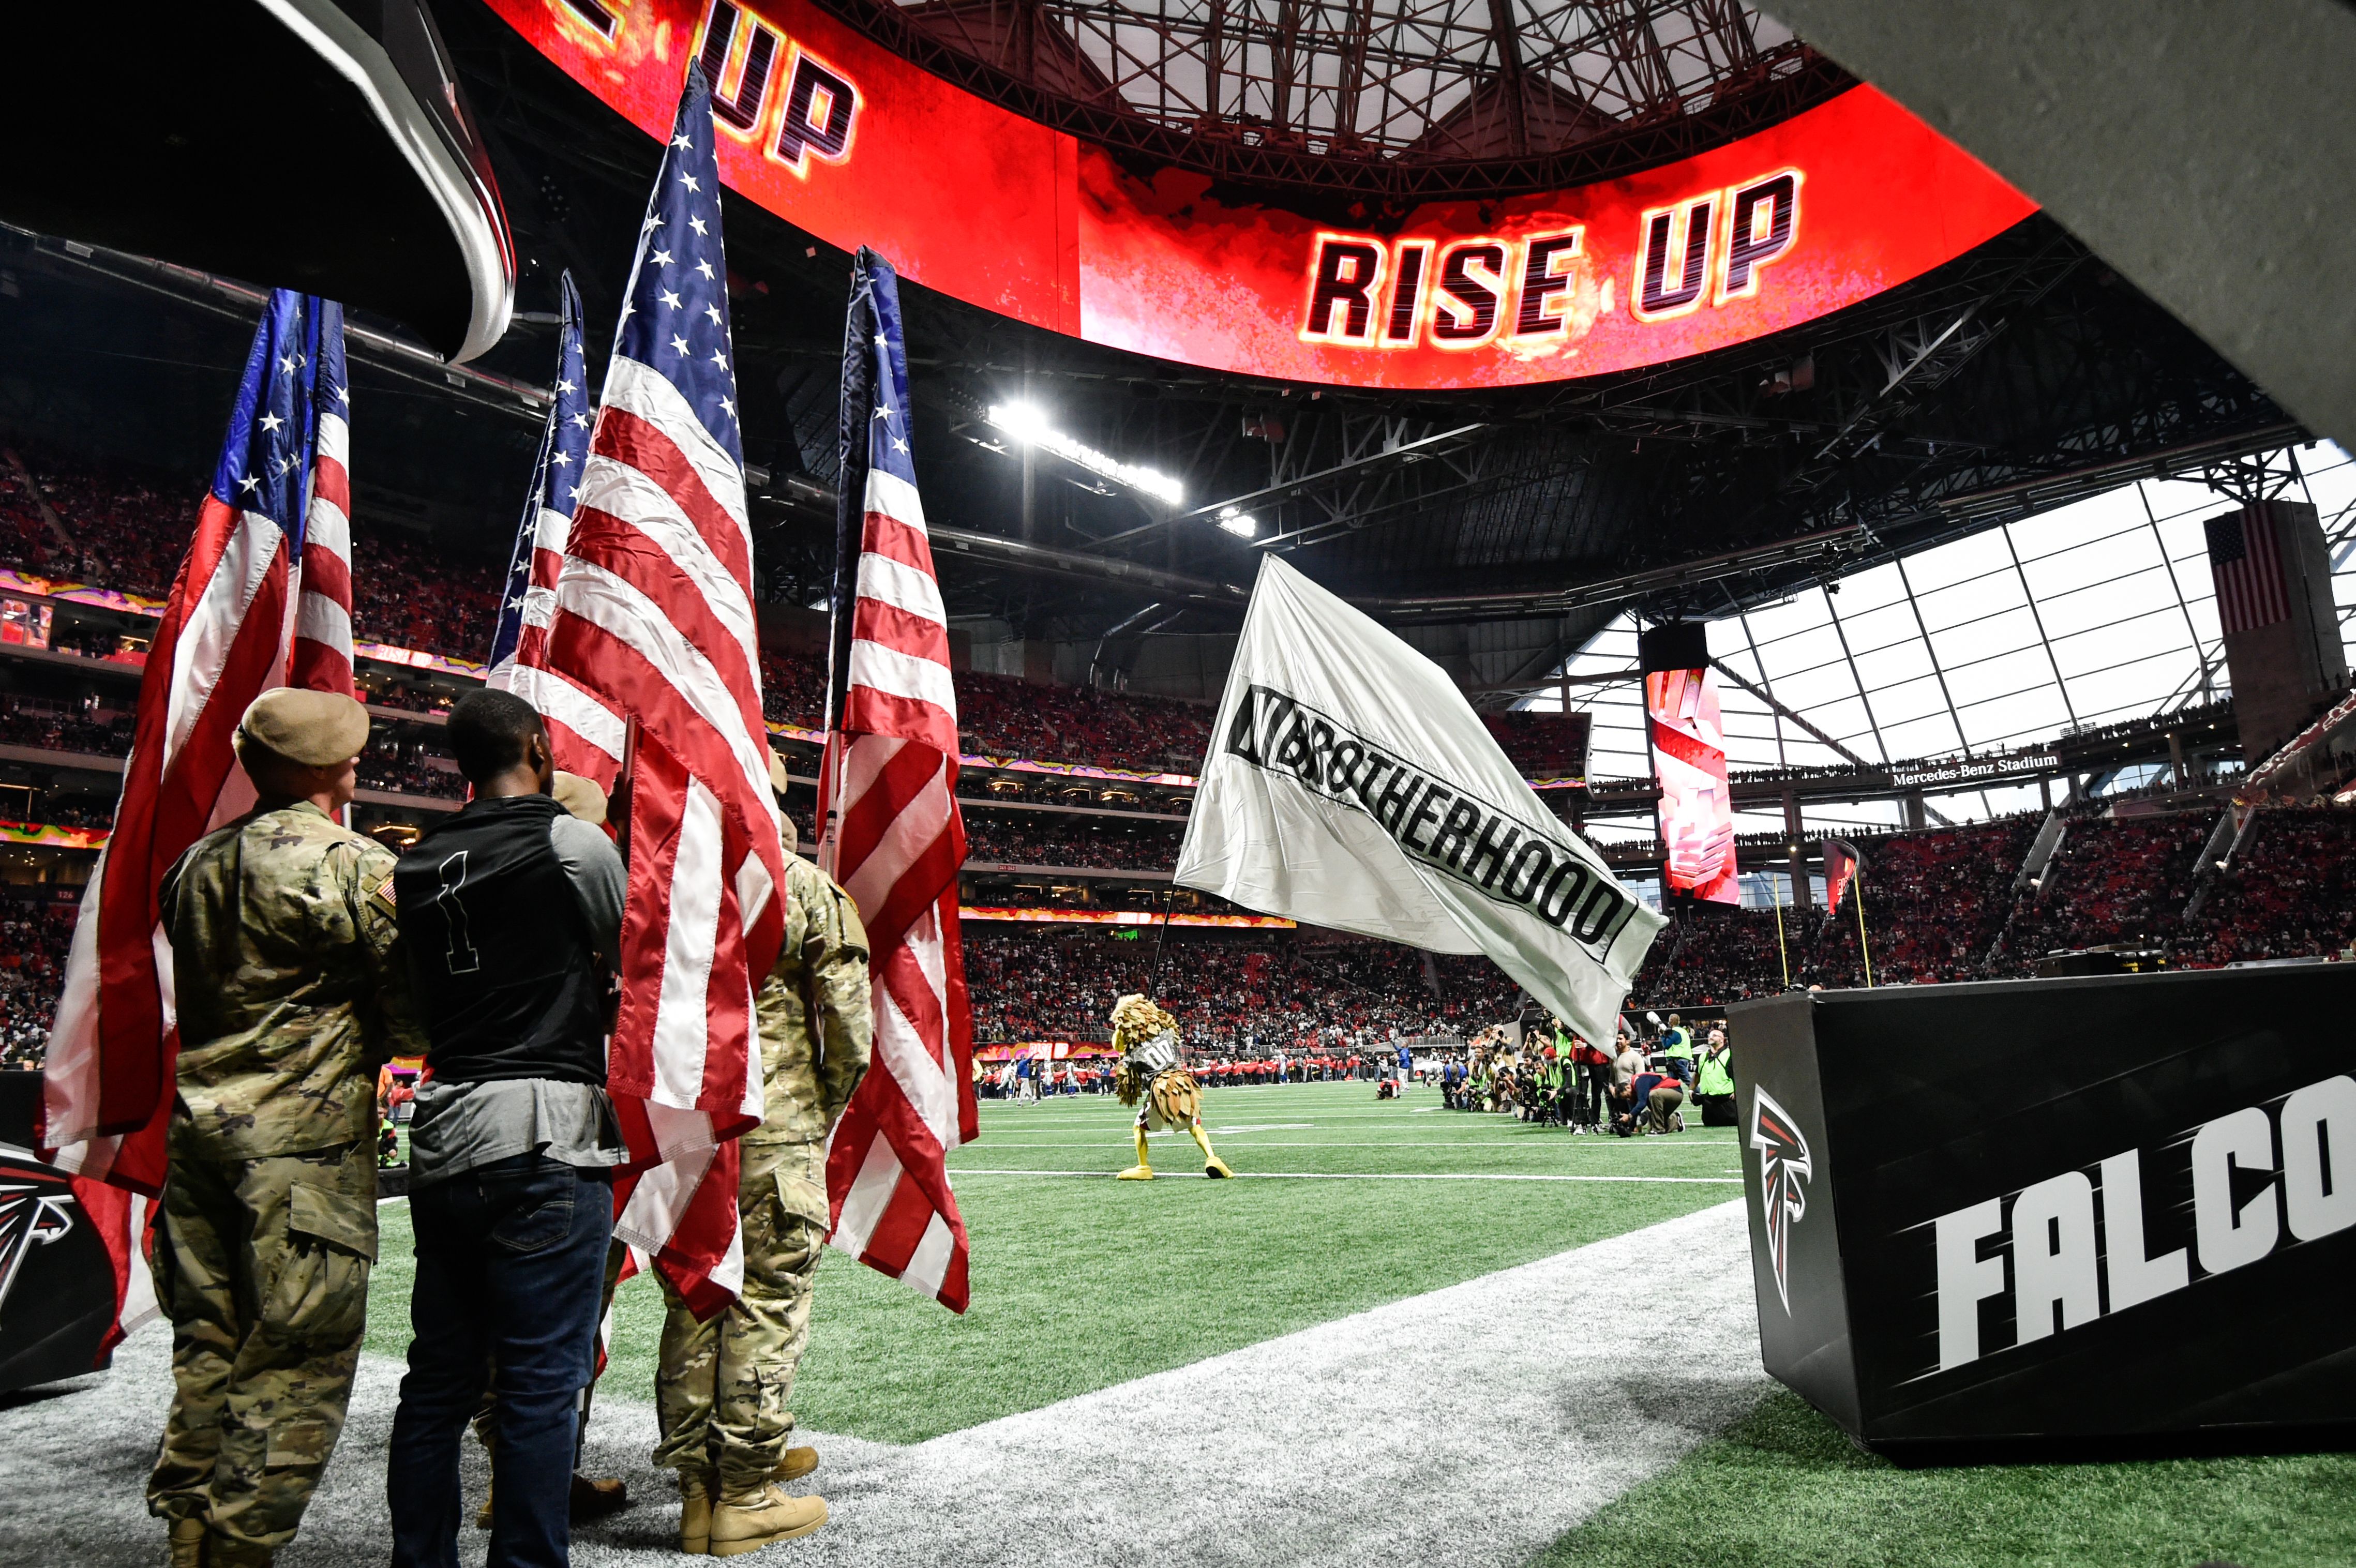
x=695 y=1512
x=746 y=1521
x=188 y=1543
x=798 y=1463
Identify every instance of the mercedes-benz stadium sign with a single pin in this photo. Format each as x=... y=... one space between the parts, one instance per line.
x=1963 y=772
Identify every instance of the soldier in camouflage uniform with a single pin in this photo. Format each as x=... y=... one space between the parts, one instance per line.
x=291 y=993
x=723 y=1390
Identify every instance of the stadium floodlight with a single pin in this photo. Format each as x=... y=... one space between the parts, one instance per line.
x=1240 y=523
x=1026 y=424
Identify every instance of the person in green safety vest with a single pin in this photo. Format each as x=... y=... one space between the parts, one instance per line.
x=1676 y=1044
x=1714 y=1087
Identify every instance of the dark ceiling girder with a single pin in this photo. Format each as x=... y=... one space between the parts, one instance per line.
x=2206 y=151
x=1020 y=555
x=226 y=296
x=1771 y=86
x=1767 y=697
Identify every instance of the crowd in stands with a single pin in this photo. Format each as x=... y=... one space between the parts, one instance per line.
x=2181 y=719
x=1542 y=745
x=2111 y=881
x=2290 y=893
x=1934 y=903
x=58 y=809
x=1233 y=997
x=1046 y=838
x=999 y=716
x=131 y=527
x=404 y=761
x=57 y=724
x=35 y=935
x=411 y=595
x=1023 y=1078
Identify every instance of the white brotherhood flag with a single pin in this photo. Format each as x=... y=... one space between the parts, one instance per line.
x=1351 y=785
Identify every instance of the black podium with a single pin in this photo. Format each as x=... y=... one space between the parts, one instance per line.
x=57 y=1288
x=2105 y=1214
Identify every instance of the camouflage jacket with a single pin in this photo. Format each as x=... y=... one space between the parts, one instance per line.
x=817 y=1022
x=288 y=980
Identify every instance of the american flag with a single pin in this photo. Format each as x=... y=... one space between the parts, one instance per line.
x=2246 y=564
x=651 y=637
x=519 y=642
x=242 y=608
x=893 y=835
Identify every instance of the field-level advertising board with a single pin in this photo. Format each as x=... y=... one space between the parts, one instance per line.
x=2082 y=1212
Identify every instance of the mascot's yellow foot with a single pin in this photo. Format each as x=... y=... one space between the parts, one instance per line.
x=1135 y=1173
x=1217 y=1169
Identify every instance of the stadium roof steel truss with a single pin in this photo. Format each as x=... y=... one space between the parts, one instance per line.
x=1400 y=100
x=2028 y=634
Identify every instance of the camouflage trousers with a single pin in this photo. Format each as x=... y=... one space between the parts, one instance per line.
x=722 y=1392
x=263 y=1266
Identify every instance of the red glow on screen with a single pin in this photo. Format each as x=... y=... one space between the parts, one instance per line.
x=849 y=141
x=1689 y=759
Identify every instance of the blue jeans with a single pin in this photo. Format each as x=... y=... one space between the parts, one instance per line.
x=510 y=1266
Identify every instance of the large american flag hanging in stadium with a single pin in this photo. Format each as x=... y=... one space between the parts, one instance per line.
x=520 y=641
x=891 y=831
x=2245 y=563
x=651 y=634
x=266 y=582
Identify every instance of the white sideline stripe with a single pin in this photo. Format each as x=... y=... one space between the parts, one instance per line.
x=956 y=1171
x=1404 y=1409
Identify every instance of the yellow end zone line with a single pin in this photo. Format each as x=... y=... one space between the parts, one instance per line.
x=1380 y=1176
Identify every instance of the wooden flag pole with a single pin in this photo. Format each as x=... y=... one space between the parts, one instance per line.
x=1857 y=891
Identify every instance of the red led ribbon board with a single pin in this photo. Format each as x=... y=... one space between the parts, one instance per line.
x=857 y=146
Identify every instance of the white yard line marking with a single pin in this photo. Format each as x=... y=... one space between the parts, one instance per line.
x=956 y=1171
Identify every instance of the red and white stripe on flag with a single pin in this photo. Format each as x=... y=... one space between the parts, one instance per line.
x=653 y=618
x=894 y=837
x=321 y=658
x=225 y=637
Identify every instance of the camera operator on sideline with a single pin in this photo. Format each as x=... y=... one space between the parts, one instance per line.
x=511 y=912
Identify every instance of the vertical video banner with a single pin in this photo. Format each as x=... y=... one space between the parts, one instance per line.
x=1689 y=759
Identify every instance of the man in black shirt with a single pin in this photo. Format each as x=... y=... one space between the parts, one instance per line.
x=511 y=912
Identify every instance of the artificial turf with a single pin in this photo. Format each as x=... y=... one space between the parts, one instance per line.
x=1080 y=1282
x=1786 y=1486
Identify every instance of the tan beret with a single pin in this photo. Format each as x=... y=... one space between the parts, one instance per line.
x=315 y=729
x=777 y=778
x=580 y=796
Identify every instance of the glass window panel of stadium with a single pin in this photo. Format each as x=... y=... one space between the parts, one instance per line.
x=2083 y=616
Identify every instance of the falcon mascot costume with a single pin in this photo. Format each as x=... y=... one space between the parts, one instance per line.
x=1147 y=1041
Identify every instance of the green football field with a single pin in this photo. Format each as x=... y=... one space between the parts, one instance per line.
x=1081 y=1282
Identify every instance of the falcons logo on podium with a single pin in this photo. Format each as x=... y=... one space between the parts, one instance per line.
x=36 y=1209
x=1783 y=1173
